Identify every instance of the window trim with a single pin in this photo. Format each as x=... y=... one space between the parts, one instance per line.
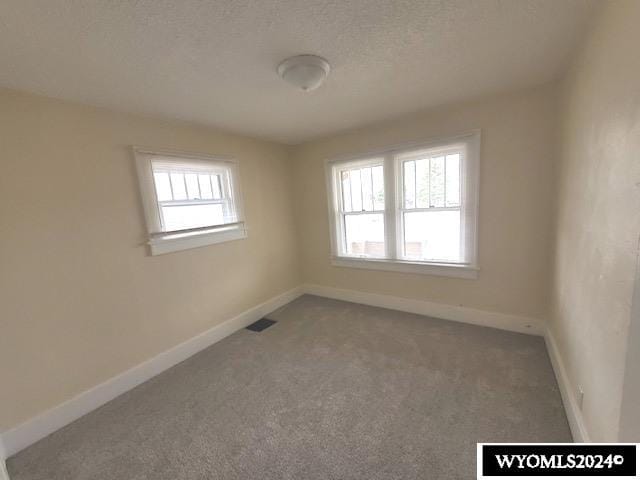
x=161 y=242
x=392 y=157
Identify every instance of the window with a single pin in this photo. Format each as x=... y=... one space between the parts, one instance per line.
x=411 y=208
x=362 y=208
x=189 y=200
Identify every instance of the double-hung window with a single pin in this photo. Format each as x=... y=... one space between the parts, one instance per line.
x=189 y=200
x=361 y=207
x=411 y=208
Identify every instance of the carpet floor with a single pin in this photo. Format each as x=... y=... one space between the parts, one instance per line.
x=333 y=390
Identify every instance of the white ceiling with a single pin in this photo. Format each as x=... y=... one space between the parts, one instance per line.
x=213 y=62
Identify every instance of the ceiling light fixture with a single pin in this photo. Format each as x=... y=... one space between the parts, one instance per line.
x=306 y=72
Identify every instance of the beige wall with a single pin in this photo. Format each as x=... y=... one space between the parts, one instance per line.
x=629 y=411
x=80 y=298
x=599 y=213
x=515 y=203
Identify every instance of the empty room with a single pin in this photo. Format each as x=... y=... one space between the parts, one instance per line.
x=318 y=239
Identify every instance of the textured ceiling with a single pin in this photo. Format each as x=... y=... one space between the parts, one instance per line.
x=213 y=62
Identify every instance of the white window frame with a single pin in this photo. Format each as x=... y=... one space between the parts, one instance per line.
x=392 y=158
x=340 y=214
x=160 y=241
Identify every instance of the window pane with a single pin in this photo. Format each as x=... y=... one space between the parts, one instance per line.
x=163 y=188
x=191 y=216
x=453 y=180
x=346 y=192
x=356 y=190
x=193 y=191
x=177 y=183
x=378 y=188
x=409 y=184
x=365 y=234
x=437 y=182
x=367 y=189
x=215 y=185
x=432 y=236
x=205 y=187
x=422 y=183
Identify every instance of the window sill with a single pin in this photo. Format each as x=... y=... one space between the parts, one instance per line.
x=423 y=268
x=183 y=241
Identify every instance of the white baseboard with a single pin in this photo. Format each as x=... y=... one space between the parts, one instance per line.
x=20 y=437
x=48 y=422
x=477 y=317
x=4 y=475
x=571 y=406
x=484 y=318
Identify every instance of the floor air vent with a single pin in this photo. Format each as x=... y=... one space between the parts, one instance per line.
x=260 y=325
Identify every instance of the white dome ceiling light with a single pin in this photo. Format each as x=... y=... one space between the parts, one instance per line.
x=306 y=72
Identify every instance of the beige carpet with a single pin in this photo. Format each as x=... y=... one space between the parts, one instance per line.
x=334 y=390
